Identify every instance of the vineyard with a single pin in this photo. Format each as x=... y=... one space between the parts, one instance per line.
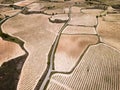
x=98 y=69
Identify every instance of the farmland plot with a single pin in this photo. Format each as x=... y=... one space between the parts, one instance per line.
x=97 y=70
x=109 y=32
x=70 y=48
x=83 y=19
x=79 y=30
x=75 y=9
x=63 y=17
x=9 y=50
x=112 y=17
x=92 y=11
x=38 y=36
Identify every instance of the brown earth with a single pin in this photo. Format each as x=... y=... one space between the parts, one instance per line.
x=97 y=70
x=9 y=50
x=109 y=32
x=70 y=48
x=38 y=37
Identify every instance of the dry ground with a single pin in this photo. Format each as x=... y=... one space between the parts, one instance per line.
x=24 y=2
x=112 y=18
x=70 y=48
x=55 y=11
x=4 y=9
x=83 y=19
x=38 y=34
x=35 y=7
x=10 y=12
x=92 y=11
x=79 y=30
x=97 y=70
x=109 y=31
x=60 y=17
x=75 y=9
x=9 y=50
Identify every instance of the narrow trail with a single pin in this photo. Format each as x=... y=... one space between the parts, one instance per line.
x=98 y=42
x=12 y=65
x=43 y=82
x=51 y=57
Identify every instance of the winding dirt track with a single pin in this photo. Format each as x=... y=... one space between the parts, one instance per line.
x=38 y=47
x=98 y=65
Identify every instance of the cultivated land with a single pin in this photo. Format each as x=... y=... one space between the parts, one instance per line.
x=9 y=50
x=83 y=20
x=97 y=70
x=110 y=35
x=79 y=30
x=70 y=48
x=38 y=47
x=71 y=45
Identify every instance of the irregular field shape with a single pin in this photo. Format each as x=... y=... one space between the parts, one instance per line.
x=9 y=50
x=83 y=19
x=97 y=70
x=79 y=30
x=70 y=48
x=109 y=32
x=60 y=17
x=38 y=37
x=23 y=23
x=112 y=17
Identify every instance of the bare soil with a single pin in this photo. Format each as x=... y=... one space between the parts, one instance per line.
x=9 y=50
x=97 y=70
x=70 y=48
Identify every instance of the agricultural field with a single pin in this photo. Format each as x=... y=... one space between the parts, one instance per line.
x=83 y=20
x=98 y=69
x=109 y=31
x=92 y=11
x=79 y=30
x=62 y=17
x=44 y=34
x=112 y=18
x=9 y=50
x=70 y=49
x=59 y=45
